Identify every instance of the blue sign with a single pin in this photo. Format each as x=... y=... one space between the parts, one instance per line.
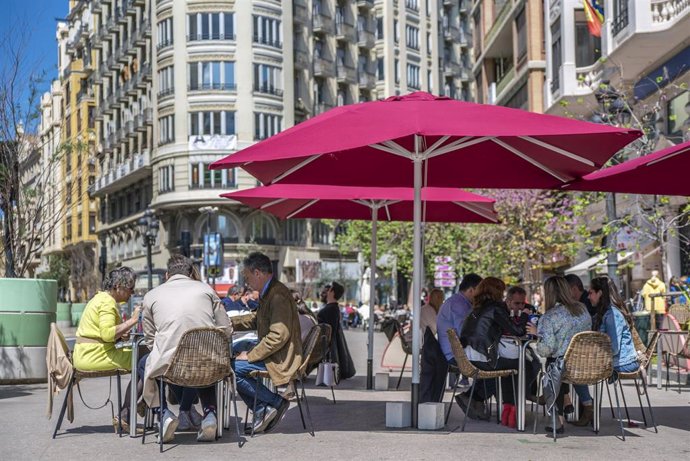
x=213 y=250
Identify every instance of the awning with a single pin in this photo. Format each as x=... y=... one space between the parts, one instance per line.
x=595 y=262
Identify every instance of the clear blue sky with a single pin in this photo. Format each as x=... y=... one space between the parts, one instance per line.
x=38 y=18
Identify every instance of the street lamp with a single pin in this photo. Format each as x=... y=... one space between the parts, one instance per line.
x=209 y=211
x=148 y=226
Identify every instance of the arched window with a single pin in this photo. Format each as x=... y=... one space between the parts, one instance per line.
x=222 y=223
x=261 y=230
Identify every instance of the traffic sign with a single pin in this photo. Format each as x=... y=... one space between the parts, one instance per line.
x=444 y=283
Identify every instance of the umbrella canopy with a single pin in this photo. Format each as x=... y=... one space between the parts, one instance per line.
x=663 y=172
x=391 y=203
x=464 y=145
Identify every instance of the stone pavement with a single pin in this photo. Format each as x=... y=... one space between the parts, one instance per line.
x=353 y=428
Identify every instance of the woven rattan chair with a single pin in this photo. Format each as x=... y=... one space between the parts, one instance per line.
x=470 y=371
x=645 y=354
x=79 y=375
x=588 y=361
x=681 y=313
x=407 y=349
x=201 y=359
x=316 y=332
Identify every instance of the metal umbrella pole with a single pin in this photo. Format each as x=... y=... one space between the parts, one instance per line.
x=416 y=277
x=372 y=298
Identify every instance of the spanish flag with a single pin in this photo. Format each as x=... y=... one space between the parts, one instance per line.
x=594 y=10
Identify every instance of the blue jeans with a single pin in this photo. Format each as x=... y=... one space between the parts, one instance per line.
x=582 y=392
x=628 y=368
x=246 y=386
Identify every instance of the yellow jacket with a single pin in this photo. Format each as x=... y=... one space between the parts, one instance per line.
x=654 y=286
x=101 y=316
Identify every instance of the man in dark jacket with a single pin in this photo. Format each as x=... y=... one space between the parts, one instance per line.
x=330 y=315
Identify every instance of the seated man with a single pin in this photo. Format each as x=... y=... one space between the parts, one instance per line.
x=279 y=348
x=232 y=300
x=170 y=310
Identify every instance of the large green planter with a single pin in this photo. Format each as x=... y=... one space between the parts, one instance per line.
x=76 y=311
x=63 y=316
x=27 y=307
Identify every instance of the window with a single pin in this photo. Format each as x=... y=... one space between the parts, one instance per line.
x=266 y=125
x=165 y=81
x=379 y=28
x=68 y=193
x=267 y=31
x=396 y=31
x=320 y=233
x=294 y=231
x=211 y=26
x=212 y=123
x=521 y=27
x=68 y=226
x=261 y=230
x=202 y=177
x=268 y=79
x=412 y=37
x=412 y=5
x=397 y=70
x=165 y=33
x=556 y=58
x=587 y=46
x=166 y=127
x=166 y=179
x=212 y=75
x=92 y=223
x=80 y=225
x=520 y=99
x=429 y=43
x=413 y=77
x=380 y=69
x=430 y=81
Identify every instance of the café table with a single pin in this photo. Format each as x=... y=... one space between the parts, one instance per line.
x=136 y=339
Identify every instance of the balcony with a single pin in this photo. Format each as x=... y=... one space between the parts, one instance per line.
x=148 y=116
x=129 y=130
x=165 y=43
x=366 y=80
x=166 y=93
x=130 y=8
x=125 y=174
x=345 y=74
x=300 y=14
x=365 y=39
x=264 y=88
x=504 y=82
x=365 y=4
x=213 y=87
x=301 y=59
x=322 y=24
x=451 y=69
x=139 y=122
x=451 y=33
x=344 y=31
x=122 y=95
x=323 y=68
x=112 y=25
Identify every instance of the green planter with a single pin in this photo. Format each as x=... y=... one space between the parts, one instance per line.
x=77 y=309
x=27 y=308
x=64 y=315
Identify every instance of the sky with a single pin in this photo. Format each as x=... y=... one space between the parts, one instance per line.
x=37 y=19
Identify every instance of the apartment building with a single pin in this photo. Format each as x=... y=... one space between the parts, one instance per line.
x=170 y=86
x=78 y=141
x=49 y=141
x=509 y=62
x=641 y=58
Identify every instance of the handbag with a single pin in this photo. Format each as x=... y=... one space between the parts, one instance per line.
x=327 y=374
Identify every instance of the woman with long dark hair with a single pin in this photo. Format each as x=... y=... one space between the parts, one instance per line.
x=614 y=320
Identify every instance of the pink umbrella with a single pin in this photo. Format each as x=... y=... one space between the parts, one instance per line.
x=664 y=172
x=376 y=203
x=422 y=140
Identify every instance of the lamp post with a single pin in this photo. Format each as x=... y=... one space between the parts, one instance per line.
x=149 y=225
x=209 y=211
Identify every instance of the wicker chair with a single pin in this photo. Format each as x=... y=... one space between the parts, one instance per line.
x=201 y=359
x=470 y=371
x=681 y=313
x=79 y=375
x=588 y=361
x=407 y=349
x=316 y=332
x=644 y=359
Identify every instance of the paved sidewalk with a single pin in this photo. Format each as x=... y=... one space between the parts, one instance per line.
x=354 y=428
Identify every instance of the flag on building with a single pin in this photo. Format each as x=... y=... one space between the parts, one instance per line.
x=594 y=11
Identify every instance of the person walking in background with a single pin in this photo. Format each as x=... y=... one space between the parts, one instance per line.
x=430 y=310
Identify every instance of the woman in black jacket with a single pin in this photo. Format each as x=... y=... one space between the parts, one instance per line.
x=480 y=336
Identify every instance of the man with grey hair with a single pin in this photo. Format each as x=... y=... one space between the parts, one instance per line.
x=279 y=347
x=170 y=310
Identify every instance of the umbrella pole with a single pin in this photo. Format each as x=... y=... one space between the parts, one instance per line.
x=416 y=277
x=372 y=299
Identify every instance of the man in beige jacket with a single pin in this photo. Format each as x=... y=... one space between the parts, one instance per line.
x=170 y=310
x=279 y=347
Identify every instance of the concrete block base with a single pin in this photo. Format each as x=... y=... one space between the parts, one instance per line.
x=431 y=416
x=21 y=365
x=381 y=382
x=398 y=414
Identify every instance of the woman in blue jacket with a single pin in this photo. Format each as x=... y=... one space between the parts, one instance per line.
x=614 y=320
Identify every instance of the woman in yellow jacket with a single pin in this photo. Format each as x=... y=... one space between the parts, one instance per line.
x=101 y=326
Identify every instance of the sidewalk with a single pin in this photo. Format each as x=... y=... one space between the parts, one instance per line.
x=353 y=428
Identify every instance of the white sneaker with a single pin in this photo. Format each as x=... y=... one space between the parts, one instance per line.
x=170 y=423
x=185 y=422
x=195 y=416
x=209 y=426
